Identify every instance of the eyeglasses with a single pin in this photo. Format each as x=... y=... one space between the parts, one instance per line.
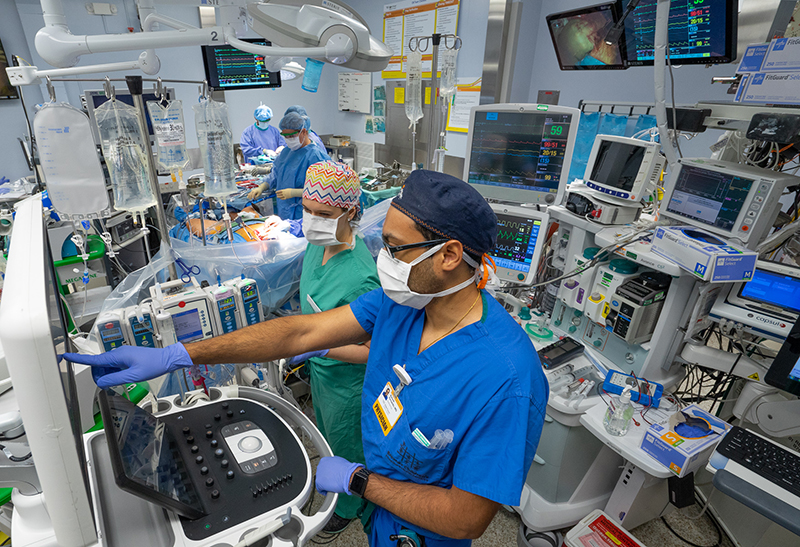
x=292 y=134
x=397 y=248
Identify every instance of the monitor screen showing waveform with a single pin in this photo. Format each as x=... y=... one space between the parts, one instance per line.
x=523 y=150
x=230 y=68
x=700 y=32
x=516 y=242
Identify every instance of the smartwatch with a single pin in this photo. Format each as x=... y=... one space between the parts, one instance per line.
x=358 y=484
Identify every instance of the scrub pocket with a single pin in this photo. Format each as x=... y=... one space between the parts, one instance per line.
x=405 y=453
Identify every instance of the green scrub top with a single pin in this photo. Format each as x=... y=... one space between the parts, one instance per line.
x=336 y=386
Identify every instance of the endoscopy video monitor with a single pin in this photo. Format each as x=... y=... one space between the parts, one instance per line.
x=579 y=38
x=700 y=32
x=520 y=153
x=230 y=68
x=520 y=238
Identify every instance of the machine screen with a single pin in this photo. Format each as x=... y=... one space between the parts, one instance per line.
x=187 y=325
x=521 y=150
x=226 y=303
x=700 y=31
x=617 y=165
x=516 y=242
x=773 y=288
x=709 y=197
x=579 y=38
x=111 y=334
x=249 y=293
x=145 y=455
x=231 y=68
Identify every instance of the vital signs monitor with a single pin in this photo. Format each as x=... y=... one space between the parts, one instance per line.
x=623 y=167
x=729 y=199
x=520 y=153
x=521 y=233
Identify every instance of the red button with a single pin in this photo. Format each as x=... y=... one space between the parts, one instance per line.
x=745 y=228
x=109 y=325
x=182 y=304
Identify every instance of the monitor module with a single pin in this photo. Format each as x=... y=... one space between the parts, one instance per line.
x=623 y=167
x=520 y=238
x=230 y=68
x=784 y=372
x=520 y=153
x=700 y=32
x=579 y=38
x=729 y=199
x=774 y=290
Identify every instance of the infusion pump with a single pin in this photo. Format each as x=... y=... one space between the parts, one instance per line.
x=177 y=312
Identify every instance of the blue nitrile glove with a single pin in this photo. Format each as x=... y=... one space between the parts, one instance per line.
x=128 y=364
x=333 y=475
x=306 y=356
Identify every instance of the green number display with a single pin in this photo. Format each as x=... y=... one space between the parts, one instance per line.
x=556 y=129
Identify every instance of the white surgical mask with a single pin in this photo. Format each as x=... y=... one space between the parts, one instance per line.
x=293 y=142
x=262 y=125
x=321 y=231
x=393 y=274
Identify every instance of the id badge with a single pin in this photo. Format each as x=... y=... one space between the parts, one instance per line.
x=388 y=408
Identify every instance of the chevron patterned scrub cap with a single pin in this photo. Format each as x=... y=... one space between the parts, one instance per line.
x=333 y=184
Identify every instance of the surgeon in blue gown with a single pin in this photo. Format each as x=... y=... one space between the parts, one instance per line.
x=311 y=134
x=289 y=170
x=260 y=137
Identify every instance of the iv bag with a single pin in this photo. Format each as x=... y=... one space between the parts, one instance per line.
x=447 y=83
x=414 y=87
x=170 y=134
x=124 y=151
x=72 y=171
x=216 y=147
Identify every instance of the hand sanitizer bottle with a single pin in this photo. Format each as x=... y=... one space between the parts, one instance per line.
x=618 y=420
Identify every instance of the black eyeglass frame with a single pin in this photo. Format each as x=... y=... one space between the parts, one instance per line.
x=397 y=248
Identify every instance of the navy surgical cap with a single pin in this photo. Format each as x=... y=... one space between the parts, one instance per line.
x=450 y=208
x=294 y=121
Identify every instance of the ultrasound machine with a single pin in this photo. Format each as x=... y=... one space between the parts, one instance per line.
x=228 y=471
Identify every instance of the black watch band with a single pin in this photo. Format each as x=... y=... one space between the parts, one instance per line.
x=358 y=484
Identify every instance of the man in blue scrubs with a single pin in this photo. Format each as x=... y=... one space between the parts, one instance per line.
x=311 y=133
x=470 y=371
x=260 y=137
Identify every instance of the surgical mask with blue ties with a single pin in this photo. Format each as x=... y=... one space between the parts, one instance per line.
x=262 y=125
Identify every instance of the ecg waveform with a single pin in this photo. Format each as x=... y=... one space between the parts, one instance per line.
x=694 y=29
x=508 y=152
x=516 y=241
x=235 y=67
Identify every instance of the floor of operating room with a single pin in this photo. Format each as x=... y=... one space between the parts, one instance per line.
x=502 y=532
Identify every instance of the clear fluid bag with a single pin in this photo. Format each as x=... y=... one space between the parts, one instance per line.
x=170 y=132
x=216 y=147
x=124 y=151
x=414 y=87
x=447 y=83
x=71 y=167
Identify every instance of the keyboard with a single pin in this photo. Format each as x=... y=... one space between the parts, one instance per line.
x=765 y=458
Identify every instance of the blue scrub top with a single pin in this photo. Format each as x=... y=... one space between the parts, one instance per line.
x=289 y=171
x=255 y=140
x=484 y=382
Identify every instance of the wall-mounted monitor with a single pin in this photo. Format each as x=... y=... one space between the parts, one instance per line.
x=700 y=32
x=520 y=153
x=578 y=38
x=623 y=167
x=230 y=68
x=7 y=91
x=521 y=232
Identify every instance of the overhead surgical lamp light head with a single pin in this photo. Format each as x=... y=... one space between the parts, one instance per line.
x=294 y=23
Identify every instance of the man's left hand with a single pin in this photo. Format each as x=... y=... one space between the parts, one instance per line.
x=333 y=475
x=289 y=193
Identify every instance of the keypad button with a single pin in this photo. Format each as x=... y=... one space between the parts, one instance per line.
x=214 y=494
x=195 y=449
x=224 y=463
x=204 y=470
x=210 y=481
x=199 y=459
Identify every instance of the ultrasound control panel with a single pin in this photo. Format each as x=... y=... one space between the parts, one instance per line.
x=237 y=456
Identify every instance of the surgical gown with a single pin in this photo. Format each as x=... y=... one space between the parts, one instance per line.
x=336 y=386
x=255 y=140
x=289 y=171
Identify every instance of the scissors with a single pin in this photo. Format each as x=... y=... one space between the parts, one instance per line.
x=188 y=271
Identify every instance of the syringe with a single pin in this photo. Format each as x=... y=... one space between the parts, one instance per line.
x=568 y=377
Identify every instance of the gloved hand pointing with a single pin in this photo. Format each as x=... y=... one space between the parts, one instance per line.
x=333 y=475
x=128 y=364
